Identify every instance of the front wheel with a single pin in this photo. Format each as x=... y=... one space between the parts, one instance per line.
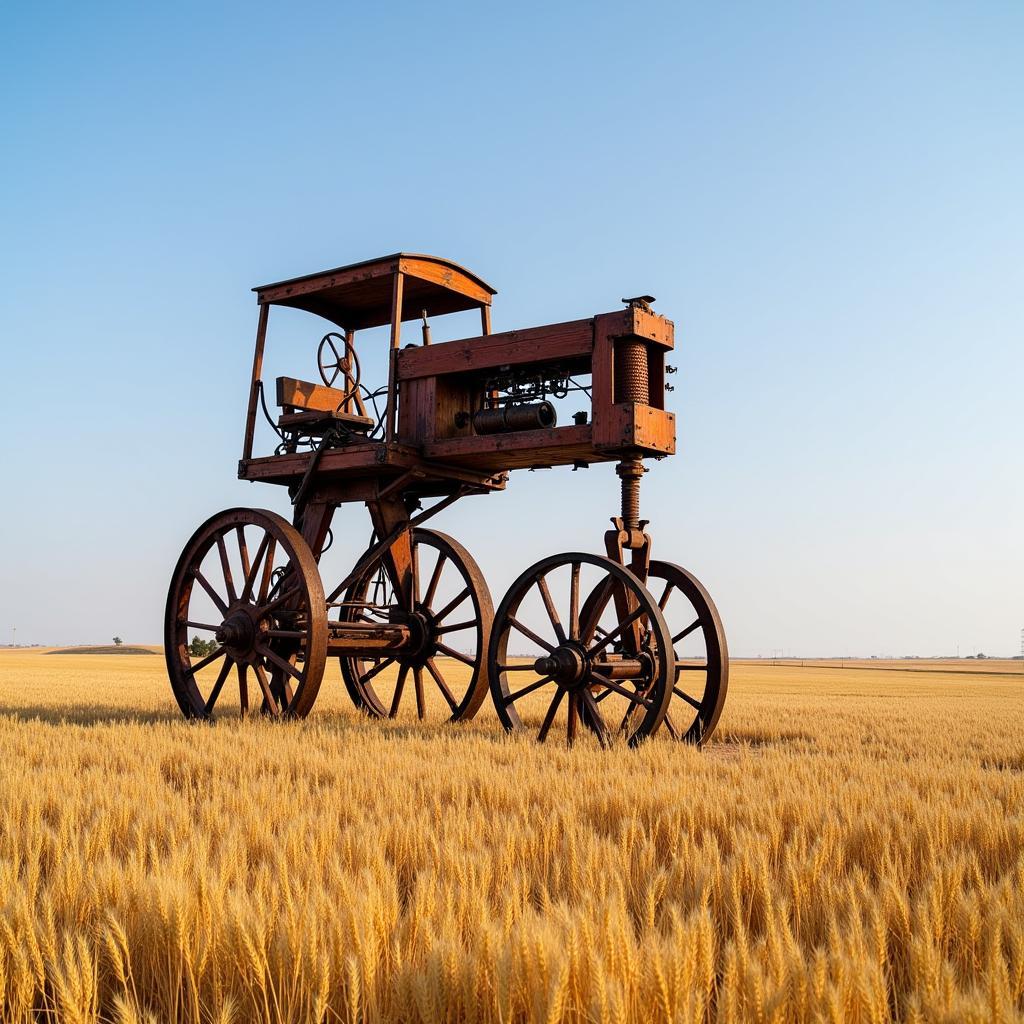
x=610 y=668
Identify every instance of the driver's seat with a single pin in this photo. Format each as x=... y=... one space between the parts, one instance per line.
x=314 y=409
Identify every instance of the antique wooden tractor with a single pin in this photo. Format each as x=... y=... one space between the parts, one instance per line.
x=615 y=643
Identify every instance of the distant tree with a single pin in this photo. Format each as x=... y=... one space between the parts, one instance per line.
x=200 y=648
x=118 y=641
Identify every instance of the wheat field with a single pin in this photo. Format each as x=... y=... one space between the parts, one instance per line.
x=849 y=848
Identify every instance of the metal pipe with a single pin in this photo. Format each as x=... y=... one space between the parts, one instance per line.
x=507 y=418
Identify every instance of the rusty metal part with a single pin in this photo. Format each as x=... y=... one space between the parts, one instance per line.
x=507 y=418
x=630 y=472
x=435 y=625
x=632 y=375
x=575 y=674
x=699 y=646
x=247 y=581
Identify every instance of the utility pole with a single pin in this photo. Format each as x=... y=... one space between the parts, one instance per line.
x=14 y=636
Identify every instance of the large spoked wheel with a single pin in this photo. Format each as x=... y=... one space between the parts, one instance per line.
x=246 y=601
x=698 y=642
x=444 y=668
x=702 y=655
x=610 y=670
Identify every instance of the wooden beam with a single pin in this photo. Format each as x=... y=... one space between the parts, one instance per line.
x=396 y=338
x=254 y=385
x=536 y=344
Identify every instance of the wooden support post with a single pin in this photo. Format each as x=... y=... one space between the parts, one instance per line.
x=257 y=373
x=388 y=515
x=485 y=320
x=396 y=336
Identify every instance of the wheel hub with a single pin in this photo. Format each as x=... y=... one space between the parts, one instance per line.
x=566 y=663
x=421 y=637
x=237 y=633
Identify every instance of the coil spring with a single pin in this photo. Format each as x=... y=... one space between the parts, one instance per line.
x=632 y=380
x=630 y=471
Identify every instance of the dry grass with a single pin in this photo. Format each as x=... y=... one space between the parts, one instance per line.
x=850 y=849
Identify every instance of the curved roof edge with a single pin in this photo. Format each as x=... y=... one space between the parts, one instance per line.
x=393 y=258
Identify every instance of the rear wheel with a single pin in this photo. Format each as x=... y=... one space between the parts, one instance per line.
x=444 y=669
x=247 y=591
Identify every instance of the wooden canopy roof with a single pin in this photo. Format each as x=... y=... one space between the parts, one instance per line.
x=361 y=295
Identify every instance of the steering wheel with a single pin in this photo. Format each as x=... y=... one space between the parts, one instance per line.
x=333 y=363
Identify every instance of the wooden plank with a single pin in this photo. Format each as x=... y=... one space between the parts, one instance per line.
x=314 y=418
x=303 y=394
x=447 y=276
x=551 y=343
x=602 y=381
x=330 y=279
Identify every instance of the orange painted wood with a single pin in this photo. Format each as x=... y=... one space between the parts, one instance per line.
x=552 y=343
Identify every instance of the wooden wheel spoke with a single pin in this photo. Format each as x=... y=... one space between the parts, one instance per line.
x=282 y=688
x=528 y=667
x=596 y=721
x=456 y=627
x=666 y=593
x=376 y=670
x=276 y=603
x=421 y=704
x=631 y=695
x=671 y=726
x=452 y=604
x=214 y=596
x=268 y=695
x=570 y=729
x=415 y=568
x=435 y=578
x=200 y=625
x=526 y=631
x=225 y=566
x=685 y=632
x=268 y=571
x=457 y=655
x=441 y=684
x=536 y=685
x=217 y=686
x=610 y=636
x=243 y=688
x=399 y=687
x=243 y=553
x=282 y=663
x=209 y=659
x=250 y=576
x=549 y=605
x=550 y=716
x=685 y=696
x=574 y=602
x=702 y=667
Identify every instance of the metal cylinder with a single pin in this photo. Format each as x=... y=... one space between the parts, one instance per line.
x=632 y=377
x=630 y=471
x=506 y=418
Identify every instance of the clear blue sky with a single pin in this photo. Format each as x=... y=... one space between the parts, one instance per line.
x=826 y=198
